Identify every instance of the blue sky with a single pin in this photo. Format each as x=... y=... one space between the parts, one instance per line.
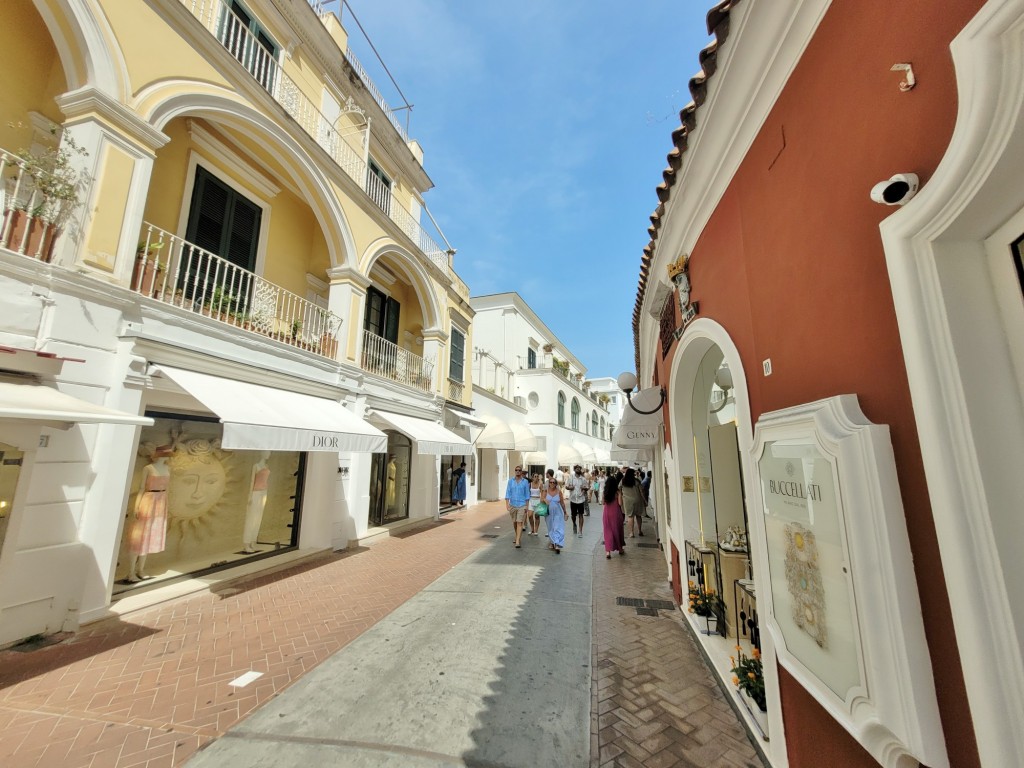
x=545 y=125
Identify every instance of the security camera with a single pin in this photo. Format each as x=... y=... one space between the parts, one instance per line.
x=895 y=191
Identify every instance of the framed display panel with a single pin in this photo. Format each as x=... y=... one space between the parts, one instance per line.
x=842 y=604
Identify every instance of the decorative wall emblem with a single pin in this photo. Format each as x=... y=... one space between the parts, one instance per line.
x=679 y=273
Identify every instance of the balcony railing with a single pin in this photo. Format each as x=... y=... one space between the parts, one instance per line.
x=222 y=23
x=456 y=389
x=387 y=359
x=179 y=273
x=377 y=97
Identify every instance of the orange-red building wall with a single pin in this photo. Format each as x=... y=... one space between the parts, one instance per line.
x=791 y=264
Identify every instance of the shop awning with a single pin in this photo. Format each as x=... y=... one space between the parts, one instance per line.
x=52 y=408
x=585 y=451
x=620 y=455
x=265 y=418
x=429 y=436
x=497 y=434
x=537 y=459
x=525 y=439
x=567 y=456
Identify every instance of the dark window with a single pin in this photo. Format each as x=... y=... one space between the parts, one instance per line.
x=248 y=42
x=561 y=409
x=381 y=316
x=379 y=186
x=457 y=364
x=531 y=358
x=575 y=414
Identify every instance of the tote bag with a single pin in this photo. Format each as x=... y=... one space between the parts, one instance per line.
x=541 y=509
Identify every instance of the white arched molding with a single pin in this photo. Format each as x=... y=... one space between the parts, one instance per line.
x=965 y=386
x=418 y=276
x=169 y=100
x=700 y=336
x=86 y=46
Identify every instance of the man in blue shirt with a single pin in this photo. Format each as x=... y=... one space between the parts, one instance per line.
x=517 y=496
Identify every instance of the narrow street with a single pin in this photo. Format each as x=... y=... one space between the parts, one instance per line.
x=441 y=646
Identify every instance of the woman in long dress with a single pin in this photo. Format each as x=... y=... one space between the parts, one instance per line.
x=557 y=515
x=459 y=491
x=613 y=519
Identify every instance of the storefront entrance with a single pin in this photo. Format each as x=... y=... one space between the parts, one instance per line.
x=389 y=480
x=195 y=506
x=10 y=471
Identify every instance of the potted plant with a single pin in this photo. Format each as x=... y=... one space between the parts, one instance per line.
x=748 y=676
x=706 y=603
x=43 y=193
x=147 y=274
x=296 y=328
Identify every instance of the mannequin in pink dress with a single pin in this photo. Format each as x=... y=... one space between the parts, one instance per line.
x=257 y=503
x=148 y=531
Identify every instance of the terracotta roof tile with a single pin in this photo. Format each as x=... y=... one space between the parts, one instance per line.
x=718 y=26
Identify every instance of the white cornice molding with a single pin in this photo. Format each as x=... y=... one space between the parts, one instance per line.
x=239 y=165
x=765 y=43
x=77 y=105
x=346 y=274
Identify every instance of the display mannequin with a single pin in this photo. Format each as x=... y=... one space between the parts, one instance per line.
x=392 y=478
x=257 y=502
x=148 y=532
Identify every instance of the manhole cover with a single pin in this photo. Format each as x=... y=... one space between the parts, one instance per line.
x=646 y=611
x=633 y=601
x=668 y=605
x=647 y=546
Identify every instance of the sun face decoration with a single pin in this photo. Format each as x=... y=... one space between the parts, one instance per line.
x=200 y=475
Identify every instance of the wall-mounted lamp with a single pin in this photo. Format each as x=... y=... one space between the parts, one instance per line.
x=627 y=383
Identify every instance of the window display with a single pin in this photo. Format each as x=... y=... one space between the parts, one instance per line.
x=389 y=480
x=196 y=506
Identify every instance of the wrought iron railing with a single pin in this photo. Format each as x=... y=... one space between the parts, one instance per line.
x=217 y=17
x=456 y=390
x=387 y=359
x=177 y=272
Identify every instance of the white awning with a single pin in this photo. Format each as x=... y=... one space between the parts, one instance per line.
x=264 y=418
x=525 y=439
x=586 y=452
x=602 y=456
x=430 y=436
x=632 y=454
x=537 y=458
x=567 y=456
x=53 y=408
x=497 y=434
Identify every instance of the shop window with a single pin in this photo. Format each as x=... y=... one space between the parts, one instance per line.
x=195 y=507
x=457 y=362
x=593 y=424
x=531 y=358
x=575 y=424
x=389 y=480
x=561 y=409
x=10 y=470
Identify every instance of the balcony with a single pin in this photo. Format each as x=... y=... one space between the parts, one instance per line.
x=32 y=221
x=456 y=389
x=384 y=358
x=219 y=21
x=176 y=272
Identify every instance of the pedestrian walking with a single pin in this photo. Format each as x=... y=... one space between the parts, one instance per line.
x=586 y=493
x=613 y=520
x=532 y=518
x=632 y=502
x=577 y=486
x=601 y=480
x=645 y=486
x=557 y=515
x=517 y=496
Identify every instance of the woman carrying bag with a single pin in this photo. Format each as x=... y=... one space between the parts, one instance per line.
x=557 y=515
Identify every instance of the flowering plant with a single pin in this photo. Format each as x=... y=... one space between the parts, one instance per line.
x=748 y=676
x=703 y=601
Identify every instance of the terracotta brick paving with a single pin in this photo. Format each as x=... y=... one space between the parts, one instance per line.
x=654 y=702
x=150 y=688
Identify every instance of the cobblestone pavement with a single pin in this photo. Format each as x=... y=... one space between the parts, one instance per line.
x=150 y=688
x=654 y=701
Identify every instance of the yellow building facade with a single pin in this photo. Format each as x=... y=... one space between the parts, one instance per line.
x=212 y=242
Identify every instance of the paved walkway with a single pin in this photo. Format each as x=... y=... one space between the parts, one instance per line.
x=152 y=688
